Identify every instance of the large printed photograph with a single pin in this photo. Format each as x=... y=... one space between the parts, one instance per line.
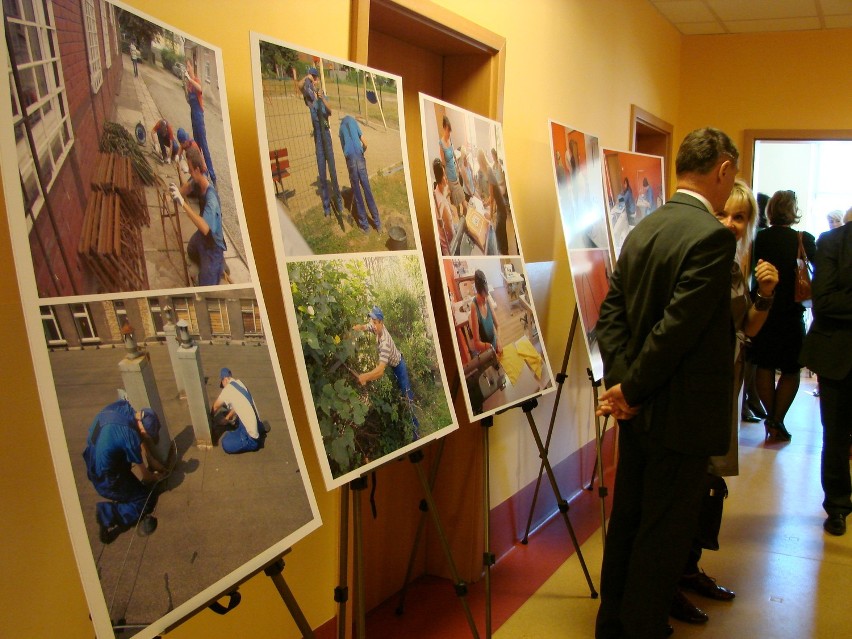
x=101 y=134
x=579 y=188
x=169 y=425
x=497 y=340
x=335 y=157
x=180 y=448
x=338 y=188
x=470 y=195
x=370 y=358
x=634 y=189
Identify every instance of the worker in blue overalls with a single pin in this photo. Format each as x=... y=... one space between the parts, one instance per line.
x=119 y=439
x=316 y=101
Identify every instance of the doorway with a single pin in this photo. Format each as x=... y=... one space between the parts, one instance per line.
x=445 y=56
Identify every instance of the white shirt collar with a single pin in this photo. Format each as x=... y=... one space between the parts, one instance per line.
x=700 y=198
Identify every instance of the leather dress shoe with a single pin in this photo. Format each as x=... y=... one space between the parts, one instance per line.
x=748 y=416
x=835 y=524
x=683 y=609
x=706 y=586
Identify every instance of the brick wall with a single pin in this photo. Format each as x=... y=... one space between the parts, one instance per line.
x=70 y=191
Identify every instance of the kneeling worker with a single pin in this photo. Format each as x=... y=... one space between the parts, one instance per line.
x=238 y=403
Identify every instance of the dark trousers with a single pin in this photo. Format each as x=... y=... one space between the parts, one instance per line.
x=835 y=407
x=654 y=517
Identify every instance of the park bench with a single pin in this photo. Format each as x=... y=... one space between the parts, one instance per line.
x=280 y=164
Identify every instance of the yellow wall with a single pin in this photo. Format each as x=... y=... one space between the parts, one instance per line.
x=582 y=63
x=766 y=81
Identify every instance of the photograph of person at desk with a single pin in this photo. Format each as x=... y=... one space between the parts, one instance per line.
x=497 y=334
x=471 y=202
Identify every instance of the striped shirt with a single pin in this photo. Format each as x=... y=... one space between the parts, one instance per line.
x=388 y=352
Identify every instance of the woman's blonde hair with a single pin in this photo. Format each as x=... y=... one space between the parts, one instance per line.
x=741 y=194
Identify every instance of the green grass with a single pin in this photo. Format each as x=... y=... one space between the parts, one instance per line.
x=325 y=235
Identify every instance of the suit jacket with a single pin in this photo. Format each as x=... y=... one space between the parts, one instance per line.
x=665 y=330
x=827 y=350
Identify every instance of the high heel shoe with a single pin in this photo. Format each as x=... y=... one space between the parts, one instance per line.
x=770 y=428
x=781 y=432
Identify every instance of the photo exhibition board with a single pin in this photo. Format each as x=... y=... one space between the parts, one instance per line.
x=115 y=266
x=497 y=341
x=634 y=187
x=338 y=188
x=579 y=188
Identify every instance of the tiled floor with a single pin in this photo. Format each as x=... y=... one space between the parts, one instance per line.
x=792 y=580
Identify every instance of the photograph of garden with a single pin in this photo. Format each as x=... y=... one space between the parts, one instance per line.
x=366 y=329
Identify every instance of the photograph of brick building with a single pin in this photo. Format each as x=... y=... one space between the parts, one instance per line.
x=88 y=82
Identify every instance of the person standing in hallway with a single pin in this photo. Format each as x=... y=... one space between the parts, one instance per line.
x=777 y=346
x=667 y=342
x=827 y=351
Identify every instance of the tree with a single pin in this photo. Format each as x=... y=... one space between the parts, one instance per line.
x=138 y=29
x=275 y=60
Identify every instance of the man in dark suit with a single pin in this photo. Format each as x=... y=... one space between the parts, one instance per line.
x=827 y=351
x=667 y=341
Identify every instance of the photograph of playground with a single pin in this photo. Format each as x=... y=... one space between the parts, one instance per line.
x=335 y=153
x=634 y=190
x=471 y=203
x=376 y=382
x=94 y=163
x=498 y=342
x=209 y=512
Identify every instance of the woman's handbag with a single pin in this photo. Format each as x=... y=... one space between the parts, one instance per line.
x=802 y=287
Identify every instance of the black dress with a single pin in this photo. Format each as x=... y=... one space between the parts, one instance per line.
x=778 y=343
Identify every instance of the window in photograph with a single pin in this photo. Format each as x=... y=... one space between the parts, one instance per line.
x=250 y=311
x=217 y=310
x=83 y=322
x=106 y=31
x=41 y=95
x=185 y=310
x=52 y=330
x=92 y=45
x=156 y=315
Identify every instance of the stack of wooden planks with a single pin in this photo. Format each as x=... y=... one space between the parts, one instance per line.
x=111 y=240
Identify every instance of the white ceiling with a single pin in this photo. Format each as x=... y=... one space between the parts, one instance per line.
x=695 y=17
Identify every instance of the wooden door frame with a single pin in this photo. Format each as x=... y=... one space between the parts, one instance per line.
x=437 y=28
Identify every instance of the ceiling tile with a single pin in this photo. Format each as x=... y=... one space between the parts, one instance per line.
x=836 y=7
x=684 y=11
x=700 y=28
x=729 y=10
x=786 y=24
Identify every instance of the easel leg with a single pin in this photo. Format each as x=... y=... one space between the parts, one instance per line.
x=421 y=525
x=487 y=555
x=599 y=439
x=274 y=571
x=460 y=587
x=341 y=592
x=560 y=379
x=563 y=505
x=360 y=602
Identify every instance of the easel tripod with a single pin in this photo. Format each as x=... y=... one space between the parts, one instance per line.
x=341 y=591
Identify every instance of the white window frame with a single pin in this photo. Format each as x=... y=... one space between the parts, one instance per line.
x=50 y=117
x=156 y=311
x=106 y=31
x=93 y=45
x=86 y=314
x=249 y=307
x=220 y=307
x=48 y=314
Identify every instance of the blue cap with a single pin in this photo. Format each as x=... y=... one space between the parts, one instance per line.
x=151 y=422
x=225 y=372
x=182 y=136
x=313 y=71
x=377 y=314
